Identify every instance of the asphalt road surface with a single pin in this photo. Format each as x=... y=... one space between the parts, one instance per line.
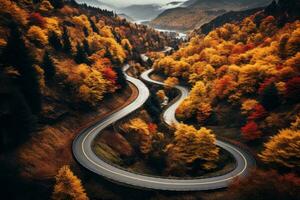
x=82 y=150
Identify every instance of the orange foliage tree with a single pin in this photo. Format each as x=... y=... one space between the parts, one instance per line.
x=189 y=145
x=283 y=149
x=140 y=129
x=68 y=186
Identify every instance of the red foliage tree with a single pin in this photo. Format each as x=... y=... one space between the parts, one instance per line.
x=152 y=128
x=221 y=71
x=223 y=86
x=249 y=46
x=264 y=85
x=259 y=112
x=37 y=19
x=240 y=48
x=251 y=131
x=110 y=74
x=293 y=89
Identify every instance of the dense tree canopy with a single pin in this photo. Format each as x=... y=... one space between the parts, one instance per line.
x=190 y=145
x=283 y=149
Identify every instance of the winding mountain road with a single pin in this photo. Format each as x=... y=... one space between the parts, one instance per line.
x=82 y=150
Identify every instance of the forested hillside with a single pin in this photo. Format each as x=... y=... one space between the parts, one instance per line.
x=59 y=54
x=245 y=85
x=193 y=14
x=246 y=75
x=59 y=62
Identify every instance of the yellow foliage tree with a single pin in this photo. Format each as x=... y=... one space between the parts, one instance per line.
x=171 y=82
x=97 y=43
x=82 y=21
x=293 y=44
x=186 y=109
x=248 y=106
x=165 y=64
x=294 y=62
x=52 y=24
x=45 y=6
x=190 y=145
x=198 y=92
x=283 y=149
x=106 y=31
x=248 y=26
x=140 y=127
x=161 y=95
x=10 y=8
x=203 y=112
x=68 y=186
x=195 y=103
x=126 y=45
x=93 y=88
x=35 y=33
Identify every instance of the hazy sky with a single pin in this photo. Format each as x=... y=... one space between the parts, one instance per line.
x=130 y=2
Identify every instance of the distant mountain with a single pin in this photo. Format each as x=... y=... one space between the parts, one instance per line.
x=173 y=4
x=142 y=12
x=229 y=17
x=183 y=19
x=194 y=13
x=124 y=16
x=283 y=10
x=97 y=4
x=226 y=4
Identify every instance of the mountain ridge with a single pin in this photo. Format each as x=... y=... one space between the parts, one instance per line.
x=194 y=13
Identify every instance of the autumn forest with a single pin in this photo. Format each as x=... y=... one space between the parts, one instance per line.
x=96 y=106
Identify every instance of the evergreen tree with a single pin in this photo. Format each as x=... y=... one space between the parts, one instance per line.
x=67 y=47
x=17 y=55
x=81 y=56
x=93 y=25
x=48 y=67
x=282 y=46
x=108 y=55
x=270 y=97
x=127 y=48
x=85 y=31
x=149 y=62
x=68 y=186
x=55 y=41
x=86 y=47
x=16 y=111
x=152 y=106
x=57 y=3
x=121 y=80
x=272 y=9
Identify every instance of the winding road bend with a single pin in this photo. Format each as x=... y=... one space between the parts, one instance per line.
x=82 y=150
